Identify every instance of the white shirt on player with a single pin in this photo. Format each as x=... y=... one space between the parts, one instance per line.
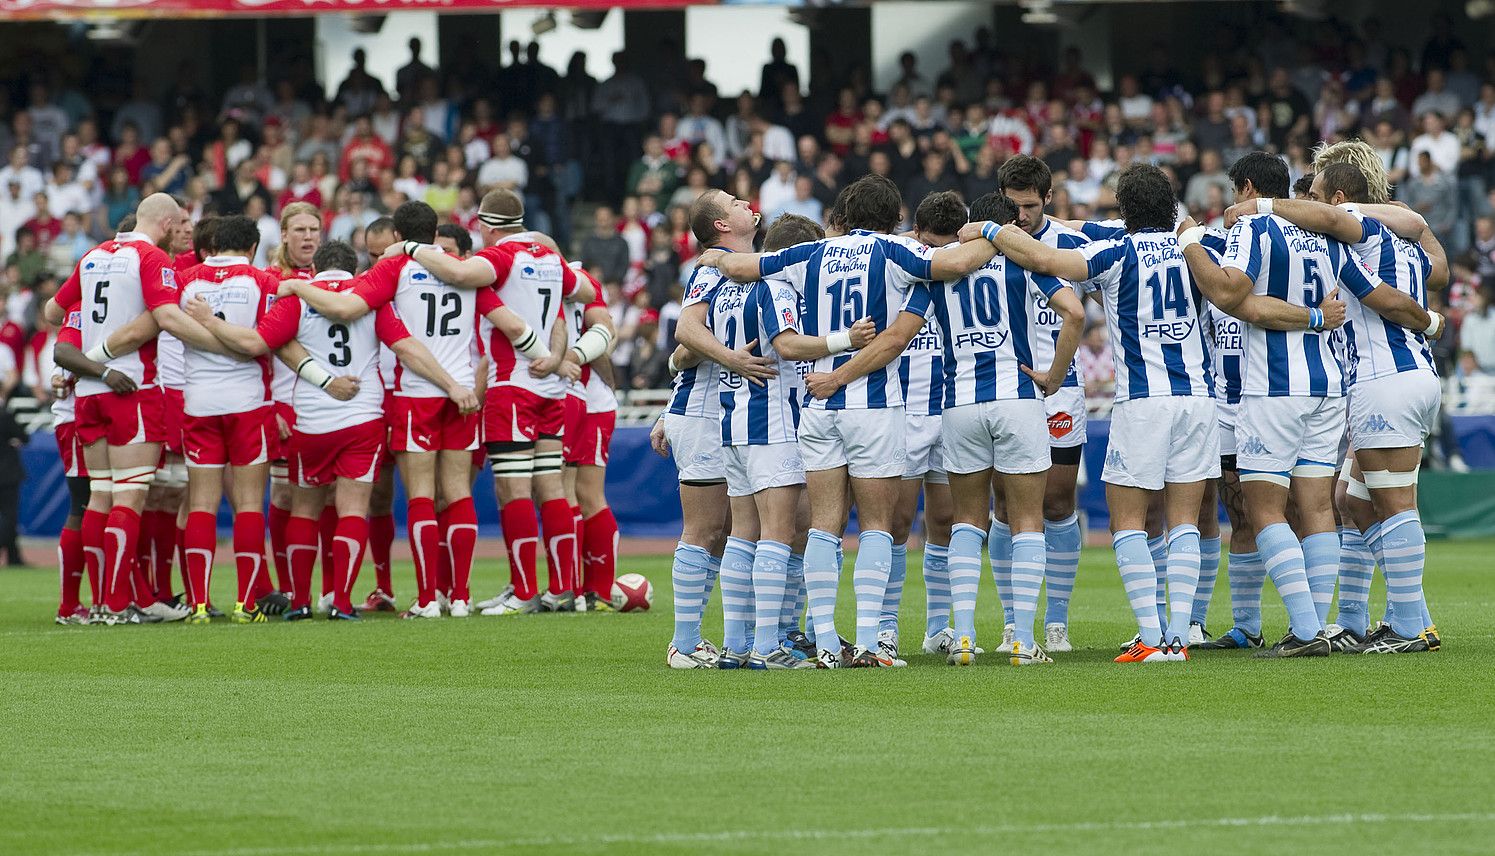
x=1046 y=322
x=694 y=391
x=440 y=316
x=113 y=284
x=533 y=281
x=240 y=294
x=757 y=414
x=1375 y=347
x=343 y=348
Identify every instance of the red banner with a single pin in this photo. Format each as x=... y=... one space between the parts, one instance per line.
x=13 y=9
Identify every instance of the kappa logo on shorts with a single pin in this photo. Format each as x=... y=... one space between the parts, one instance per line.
x=1114 y=460
x=1375 y=424
x=1060 y=424
x=790 y=465
x=1252 y=445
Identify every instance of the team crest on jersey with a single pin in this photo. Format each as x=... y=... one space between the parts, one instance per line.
x=74 y=319
x=168 y=278
x=787 y=317
x=419 y=276
x=1060 y=424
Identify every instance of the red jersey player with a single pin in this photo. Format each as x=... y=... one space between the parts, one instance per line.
x=433 y=438
x=228 y=423
x=524 y=413
x=337 y=443
x=119 y=281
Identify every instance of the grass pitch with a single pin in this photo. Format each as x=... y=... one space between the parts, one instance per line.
x=567 y=734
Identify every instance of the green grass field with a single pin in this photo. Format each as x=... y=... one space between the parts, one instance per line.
x=567 y=734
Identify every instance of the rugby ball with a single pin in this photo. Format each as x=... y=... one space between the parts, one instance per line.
x=632 y=593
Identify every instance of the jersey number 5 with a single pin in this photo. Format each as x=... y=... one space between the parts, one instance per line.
x=101 y=302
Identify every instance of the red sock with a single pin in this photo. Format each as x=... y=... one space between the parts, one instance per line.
x=199 y=544
x=420 y=517
x=301 y=551
x=326 y=529
x=462 y=542
x=69 y=569
x=91 y=530
x=145 y=560
x=351 y=538
x=249 y=555
x=277 y=519
x=521 y=537
x=121 y=535
x=163 y=547
x=443 y=556
x=578 y=579
x=181 y=558
x=560 y=553
x=601 y=552
x=381 y=539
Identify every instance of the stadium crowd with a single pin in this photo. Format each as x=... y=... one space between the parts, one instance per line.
x=645 y=141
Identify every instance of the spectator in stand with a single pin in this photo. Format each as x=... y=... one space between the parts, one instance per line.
x=696 y=183
x=654 y=174
x=622 y=105
x=69 y=247
x=1436 y=98
x=28 y=259
x=1484 y=248
x=359 y=89
x=1384 y=106
x=1434 y=194
x=804 y=202
x=411 y=72
x=795 y=114
x=15 y=210
x=699 y=126
x=936 y=176
x=661 y=266
x=1242 y=142
x=604 y=252
x=42 y=224
x=840 y=125
x=141 y=111
x=367 y=147
x=1477 y=336
x=1096 y=365
x=301 y=187
x=778 y=72
x=777 y=142
x=120 y=198
x=1136 y=105
x=1438 y=142
x=776 y=190
x=417 y=142
x=168 y=170
x=19 y=170
x=223 y=155
x=319 y=140
x=408 y=178
x=234 y=196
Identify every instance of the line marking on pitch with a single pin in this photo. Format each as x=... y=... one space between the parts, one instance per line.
x=792 y=835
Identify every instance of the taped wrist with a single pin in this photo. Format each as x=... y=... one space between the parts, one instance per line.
x=312 y=372
x=593 y=343
x=838 y=341
x=530 y=345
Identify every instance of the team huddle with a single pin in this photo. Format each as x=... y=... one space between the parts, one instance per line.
x=1281 y=367
x=187 y=375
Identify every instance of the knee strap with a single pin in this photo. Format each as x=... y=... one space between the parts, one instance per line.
x=547 y=463
x=133 y=478
x=512 y=465
x=1279 y=479
x=1380 y=479
x=1354 y=487
x=101 y=481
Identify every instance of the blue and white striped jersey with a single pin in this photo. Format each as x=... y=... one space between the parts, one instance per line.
x=921 y=372
x=1103 y=230
x=1046 y=321
x=1227 y=342
x=1299 y=267
x=841 y=280
x=1153 y=314
x=1375 y=347
x=754 y=415
x=694 y=391
x=988 y=329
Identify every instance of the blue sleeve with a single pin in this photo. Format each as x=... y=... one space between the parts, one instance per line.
x=1104 y=260
x=1046 y=284
x=772 y=263
x=1069 y=242
x=1215 y=243
x=1099 y=231
x=918 y=301
x=1351 y=271
x=1368 y=228
x=911 y=263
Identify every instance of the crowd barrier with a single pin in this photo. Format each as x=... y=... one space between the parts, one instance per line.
x=646 y=500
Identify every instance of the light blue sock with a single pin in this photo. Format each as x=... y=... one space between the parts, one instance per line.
x=822 y=575
x=794 y=598
x=999 y=545
x=1158 y=547
x=965 y=577
x=1321 y=563
x=937 y=588
x=1403 y=551
x=894 y=595
x=1183 y=580
x=1062 y=541
x=1283 y=557
x=688 y=576
x=1138 y=578
x=1247 y=577
x=1027 y=579
x=737 y=595
x=869 y=580
x=770 y=577
x=1356 y=567
x=713 y=569
x=1209 y=570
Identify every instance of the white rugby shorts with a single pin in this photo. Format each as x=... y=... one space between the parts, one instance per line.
x=922 y=438
x=1165 y=440
x=751 y=469
x=696 y=444
x=1011 y=437
x=869 y=443
x=1277 y=434
x=1065 y=411
x=1396 y=411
